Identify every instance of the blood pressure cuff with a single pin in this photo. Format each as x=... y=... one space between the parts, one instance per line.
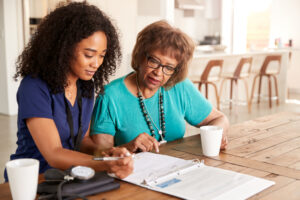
x=62 y=189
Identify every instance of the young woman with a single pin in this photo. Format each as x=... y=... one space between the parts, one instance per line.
x=70 y=57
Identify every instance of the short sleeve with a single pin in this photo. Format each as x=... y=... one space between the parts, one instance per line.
x=34 y=99
x=102 y=118
x=197 y=107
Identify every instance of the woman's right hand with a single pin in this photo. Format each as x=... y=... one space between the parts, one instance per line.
x=143 y=142
x=122 y=167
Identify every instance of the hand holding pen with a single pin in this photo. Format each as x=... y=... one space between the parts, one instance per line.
x=118 y=161
x=109 y=158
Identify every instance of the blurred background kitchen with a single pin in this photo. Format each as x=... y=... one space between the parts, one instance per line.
x=226 y=30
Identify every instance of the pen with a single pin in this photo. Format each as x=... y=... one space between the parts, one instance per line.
x=107 y=158
x=112 y=158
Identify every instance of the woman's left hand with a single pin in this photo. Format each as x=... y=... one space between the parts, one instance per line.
x=217 y=118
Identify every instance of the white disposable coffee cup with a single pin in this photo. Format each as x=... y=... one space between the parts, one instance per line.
x=211 y=137
x=23 y=178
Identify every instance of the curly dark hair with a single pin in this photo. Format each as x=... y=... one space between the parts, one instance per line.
x=50 y=50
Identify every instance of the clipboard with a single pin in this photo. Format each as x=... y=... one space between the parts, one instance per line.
x=192 y=179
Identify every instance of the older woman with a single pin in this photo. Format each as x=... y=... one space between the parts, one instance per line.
x=153 y=103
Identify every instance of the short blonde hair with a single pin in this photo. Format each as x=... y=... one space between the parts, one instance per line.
x=169 y=40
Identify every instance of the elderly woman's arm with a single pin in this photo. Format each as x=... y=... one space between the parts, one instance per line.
x=217 y=118
x=103 y=141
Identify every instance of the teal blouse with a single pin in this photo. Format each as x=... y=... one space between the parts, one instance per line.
x=118 y=113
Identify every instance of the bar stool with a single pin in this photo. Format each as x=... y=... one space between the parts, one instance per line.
x=239 y=73
x=207 y=79
x=268 y=73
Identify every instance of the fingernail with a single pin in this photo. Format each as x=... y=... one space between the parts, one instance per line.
x=157 y=150
x=127 y=154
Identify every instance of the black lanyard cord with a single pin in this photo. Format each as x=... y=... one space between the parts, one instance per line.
x=75 y=139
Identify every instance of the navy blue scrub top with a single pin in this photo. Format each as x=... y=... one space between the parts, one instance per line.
x=35 y=100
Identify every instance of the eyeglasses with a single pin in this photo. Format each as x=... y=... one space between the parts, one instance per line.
x=155 y=64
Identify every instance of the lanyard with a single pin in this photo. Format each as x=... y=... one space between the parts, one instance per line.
x=75 y=139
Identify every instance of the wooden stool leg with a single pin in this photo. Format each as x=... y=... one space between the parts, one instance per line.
x=246 y=89
x=221 y=87
x=259 y=89
x=217 y=96
x=276 y=89
x=231 y=87
x=236 y=89
x=199 y=86
x=206 y=90
x=270 y=91
x=252 y=94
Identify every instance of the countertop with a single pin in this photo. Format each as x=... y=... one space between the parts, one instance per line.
x=199 y=54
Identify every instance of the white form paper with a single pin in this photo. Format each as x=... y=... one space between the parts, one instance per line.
x=190 y=180
x=149 y=166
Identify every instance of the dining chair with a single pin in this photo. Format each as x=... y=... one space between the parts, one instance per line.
x=241 y=72
x=207 y=78
x=269 y=73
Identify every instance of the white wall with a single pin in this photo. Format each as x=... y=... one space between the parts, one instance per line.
x=197 y=26
x=11 y=43
x=283 y=21
x=239 y=26
x=3 y=83
x=124 y=16
x=38 y=8
x=226 y=24
x=193 y=26
x=285 y=17
x=285 y=25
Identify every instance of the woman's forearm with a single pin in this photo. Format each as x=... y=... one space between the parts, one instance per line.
x=216 y=118
x=221 y=121
x=65 y=158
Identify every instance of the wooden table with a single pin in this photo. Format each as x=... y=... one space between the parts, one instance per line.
x=267 y=147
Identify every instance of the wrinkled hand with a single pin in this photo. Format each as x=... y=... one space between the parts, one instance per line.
x=122 y=167
x=224 y=142
x=143 y=142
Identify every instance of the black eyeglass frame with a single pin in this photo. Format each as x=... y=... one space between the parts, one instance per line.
x=174 y=69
